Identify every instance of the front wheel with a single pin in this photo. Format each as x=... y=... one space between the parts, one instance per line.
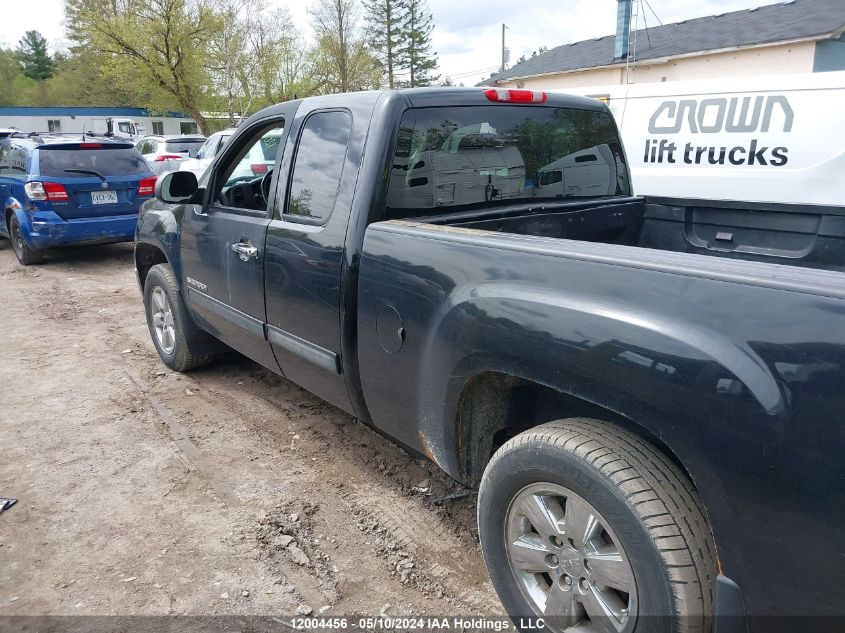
x=26 y=255
x=177 y=340
x=585 y=525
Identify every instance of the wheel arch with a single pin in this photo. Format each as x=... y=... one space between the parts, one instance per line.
x=157 y=239
x=13 y=208
x=493 y=406
x=146 y=256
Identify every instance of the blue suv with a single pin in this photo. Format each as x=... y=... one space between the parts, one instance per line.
x=59 y=190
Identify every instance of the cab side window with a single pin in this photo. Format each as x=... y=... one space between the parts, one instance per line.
x=243 y=178
x=319 y=164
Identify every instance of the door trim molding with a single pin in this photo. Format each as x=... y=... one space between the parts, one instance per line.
x=232 y=315
x=311 y=352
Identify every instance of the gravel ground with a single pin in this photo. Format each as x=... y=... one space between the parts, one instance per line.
x=226 y=491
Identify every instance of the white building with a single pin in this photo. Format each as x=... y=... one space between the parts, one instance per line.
x=794 y=37
x=91 y=119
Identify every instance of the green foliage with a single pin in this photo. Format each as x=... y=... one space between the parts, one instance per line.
x=400 y=37
x=387 y=38
x=160 y=45
x=34 y=57
x=421 y=61
x=341 y=60
x=228 y=56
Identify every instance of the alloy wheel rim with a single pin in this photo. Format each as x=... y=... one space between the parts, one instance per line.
x=568 y=563
x=162 y=319
x=17 y=240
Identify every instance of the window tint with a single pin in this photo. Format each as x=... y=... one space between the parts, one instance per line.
x=550 y=177
x=470 y=157
x=108 y=162
x=183 y=146
x=319 y=164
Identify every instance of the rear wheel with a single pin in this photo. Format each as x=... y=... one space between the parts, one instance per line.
x=178 y=341
x=585 y=525
x=26 y=255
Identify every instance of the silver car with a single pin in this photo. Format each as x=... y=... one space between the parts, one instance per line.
x=207 y=152
x=166 y=153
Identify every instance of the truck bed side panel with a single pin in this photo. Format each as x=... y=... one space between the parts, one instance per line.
x=738 y=367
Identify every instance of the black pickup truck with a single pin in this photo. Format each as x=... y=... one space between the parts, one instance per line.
x=649 y=394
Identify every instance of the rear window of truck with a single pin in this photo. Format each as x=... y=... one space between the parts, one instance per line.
x=470 y=157
x=107 y=161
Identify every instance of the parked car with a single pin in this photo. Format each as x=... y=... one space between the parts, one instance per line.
x=648 y=392
x=58 y=190
x=8 y=131
x=166 y=153
x=207 y=152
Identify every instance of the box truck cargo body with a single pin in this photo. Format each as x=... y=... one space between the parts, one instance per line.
x=775 y=139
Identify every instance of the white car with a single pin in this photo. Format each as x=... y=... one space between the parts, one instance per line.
x=167 y=153
x=206 y=153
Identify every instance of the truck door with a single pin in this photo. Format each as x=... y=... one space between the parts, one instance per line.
x=223 y=241
x=305 y=248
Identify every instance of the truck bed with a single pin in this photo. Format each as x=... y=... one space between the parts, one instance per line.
x=793 y=235
x=737 y=365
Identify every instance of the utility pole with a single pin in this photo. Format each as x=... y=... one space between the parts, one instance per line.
x=503 y=47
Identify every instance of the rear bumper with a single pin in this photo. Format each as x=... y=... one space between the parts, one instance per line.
x=45 y=229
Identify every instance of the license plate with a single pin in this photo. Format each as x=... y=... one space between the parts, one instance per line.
x=104 y=197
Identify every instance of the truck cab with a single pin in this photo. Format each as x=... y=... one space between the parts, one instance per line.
x=117 y=127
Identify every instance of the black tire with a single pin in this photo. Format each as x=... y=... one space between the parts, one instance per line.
x=190 y=343
x=643 y=497
x=26 y=256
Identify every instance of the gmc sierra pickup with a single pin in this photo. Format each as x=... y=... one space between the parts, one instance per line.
x=649 y=394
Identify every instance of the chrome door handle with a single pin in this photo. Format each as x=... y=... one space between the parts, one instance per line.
x=245 y=250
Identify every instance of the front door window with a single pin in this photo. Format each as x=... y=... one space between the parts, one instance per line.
x=244 y=181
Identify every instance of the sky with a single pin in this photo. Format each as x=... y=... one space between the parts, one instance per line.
x=467 y=34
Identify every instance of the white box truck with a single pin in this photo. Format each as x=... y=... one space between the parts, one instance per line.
x=774 y=139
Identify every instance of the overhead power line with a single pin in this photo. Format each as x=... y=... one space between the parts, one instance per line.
x=659 y=21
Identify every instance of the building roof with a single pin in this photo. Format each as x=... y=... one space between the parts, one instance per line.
x=784 y=21
x=85 y=111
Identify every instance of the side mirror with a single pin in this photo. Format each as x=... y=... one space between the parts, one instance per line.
x=176 y=187
x=192 y=153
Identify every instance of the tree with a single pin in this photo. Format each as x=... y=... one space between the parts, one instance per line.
x=160 y=45
x=227 y=59
x=421 y=62
x=342 y=62
x=280 y=57
x=79 y=80
x=33 y=56
x=385 y=30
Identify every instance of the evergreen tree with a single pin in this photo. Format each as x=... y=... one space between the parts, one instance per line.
x=385 y=29
x=342 y=61
x=420 y=61
x=33 y=56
